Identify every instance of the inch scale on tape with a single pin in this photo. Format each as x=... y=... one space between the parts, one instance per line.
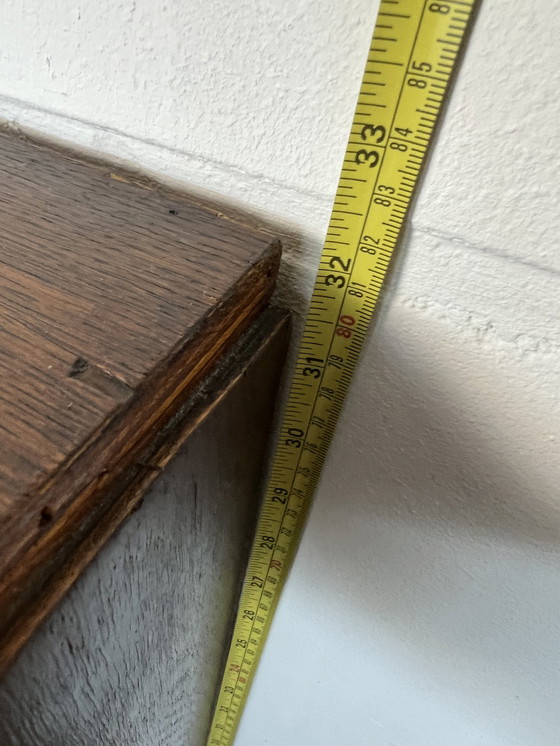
x=411 y=59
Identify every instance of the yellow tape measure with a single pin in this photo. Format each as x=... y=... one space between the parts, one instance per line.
x=413 y=52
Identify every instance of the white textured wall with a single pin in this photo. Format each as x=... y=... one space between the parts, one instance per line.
x=423 y=609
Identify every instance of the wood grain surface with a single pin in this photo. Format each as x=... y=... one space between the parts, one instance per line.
x=132 y=655
x=116 y=298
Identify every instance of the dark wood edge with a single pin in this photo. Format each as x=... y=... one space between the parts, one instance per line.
x=87 y=483
x=273 y=326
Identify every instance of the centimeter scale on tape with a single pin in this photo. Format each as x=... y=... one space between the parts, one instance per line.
x=411 y=59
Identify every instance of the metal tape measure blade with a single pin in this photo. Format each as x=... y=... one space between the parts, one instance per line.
x=413 y=52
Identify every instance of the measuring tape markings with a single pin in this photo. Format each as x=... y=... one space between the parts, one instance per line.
x=403 y=84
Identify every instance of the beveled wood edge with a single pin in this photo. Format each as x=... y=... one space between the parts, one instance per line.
x=87 y=491
x=273 y=327
x=257 y=285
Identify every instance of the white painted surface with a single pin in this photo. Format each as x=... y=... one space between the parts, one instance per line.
x=423 y=605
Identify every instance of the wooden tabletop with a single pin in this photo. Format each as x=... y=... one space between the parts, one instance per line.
x=116 y=298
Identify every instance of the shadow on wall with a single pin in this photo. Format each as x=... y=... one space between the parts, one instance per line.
x=437 y=523
x=467 y=459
